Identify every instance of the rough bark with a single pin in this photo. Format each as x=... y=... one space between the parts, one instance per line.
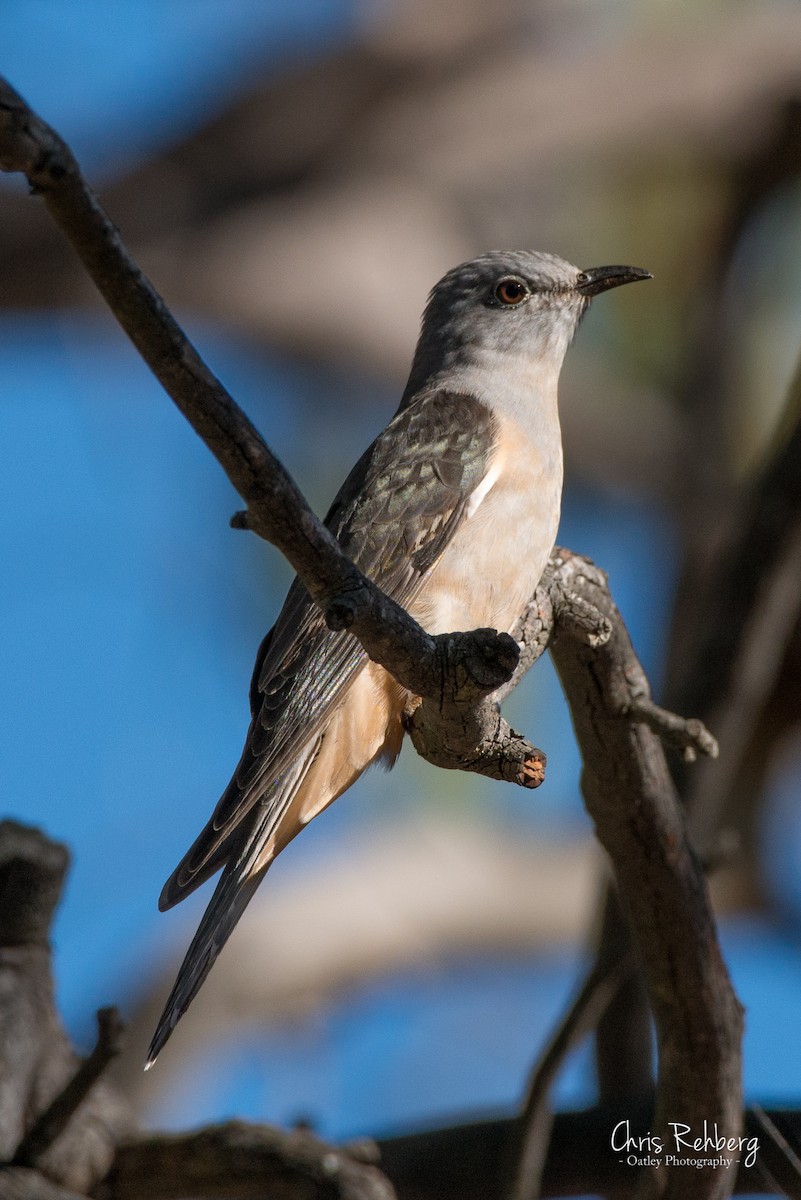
x=632 y=800
x=37 y=1063
x=242 y=1160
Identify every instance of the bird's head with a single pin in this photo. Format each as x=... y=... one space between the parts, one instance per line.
x=508 y=304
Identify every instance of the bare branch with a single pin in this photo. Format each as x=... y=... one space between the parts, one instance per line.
x=624 y=1044
x=19 y=1183
x=783 y=1146
x=461 y=1162
x=632 y=799
x=276 y=509
x=32 y=872
x=241 y=1160
x=74 y=1140
x=535 y=1123
x=72 y=1143
x=688 y=734
x=52 y=1122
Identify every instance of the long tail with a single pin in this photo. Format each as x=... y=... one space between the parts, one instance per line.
x=231 y=897
x=247 y=865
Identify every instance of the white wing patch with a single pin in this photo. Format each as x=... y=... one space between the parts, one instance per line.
x=485 y=486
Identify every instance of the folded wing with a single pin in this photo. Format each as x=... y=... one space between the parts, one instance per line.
x=394 y=515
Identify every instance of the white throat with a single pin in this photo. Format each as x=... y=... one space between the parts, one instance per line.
x=516 y=386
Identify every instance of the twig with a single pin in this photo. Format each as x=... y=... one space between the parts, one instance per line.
x=52 y=1122
x=764 y=635
x=780 y=1141
x=624 y=1050
x=689 y=735
x=536 y=1118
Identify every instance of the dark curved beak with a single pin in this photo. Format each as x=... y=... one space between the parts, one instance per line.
x=601 y=279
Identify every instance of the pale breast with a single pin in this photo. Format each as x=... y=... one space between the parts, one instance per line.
x=497 y=557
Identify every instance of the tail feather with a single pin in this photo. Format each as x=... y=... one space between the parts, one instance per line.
x=183 y=882
x=231 y=897
x=250 y=852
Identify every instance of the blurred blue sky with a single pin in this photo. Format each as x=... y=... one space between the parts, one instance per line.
x=132 y=618
x=421 y=1049
x=120 y=79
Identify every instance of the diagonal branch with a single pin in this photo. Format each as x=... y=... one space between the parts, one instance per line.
x=54 y=1120
x=465 y=732
x=535 y=1123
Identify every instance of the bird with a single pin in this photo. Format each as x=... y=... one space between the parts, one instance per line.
x=453 y=512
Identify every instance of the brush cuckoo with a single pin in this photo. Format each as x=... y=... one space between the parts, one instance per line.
x=433 y=514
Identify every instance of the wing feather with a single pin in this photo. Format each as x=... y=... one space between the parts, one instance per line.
x=394 y=515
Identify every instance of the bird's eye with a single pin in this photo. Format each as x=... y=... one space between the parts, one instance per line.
x=511 y=291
